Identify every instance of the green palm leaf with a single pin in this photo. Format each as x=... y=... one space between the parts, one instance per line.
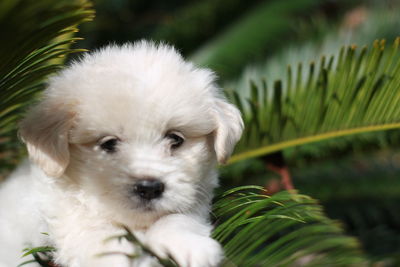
x=36 y=34
x=354 y=92
x=280 y=230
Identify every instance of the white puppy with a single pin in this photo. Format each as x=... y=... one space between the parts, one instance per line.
x=130 y=135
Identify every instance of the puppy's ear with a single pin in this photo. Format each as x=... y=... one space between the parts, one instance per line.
x=229 y=129
x=45 y=133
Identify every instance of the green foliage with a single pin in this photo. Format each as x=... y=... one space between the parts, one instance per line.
x=41 y=255
x=339 y=96
x=262 y=29
x=35 y=34
x=280 y=230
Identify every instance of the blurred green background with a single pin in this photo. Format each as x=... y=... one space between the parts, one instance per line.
x=250 y=44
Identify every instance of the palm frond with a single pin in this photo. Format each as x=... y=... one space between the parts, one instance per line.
x=36 y=35
x=280 y=230
x=353 y=92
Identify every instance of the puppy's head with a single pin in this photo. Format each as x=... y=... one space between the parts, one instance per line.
x=136 y=127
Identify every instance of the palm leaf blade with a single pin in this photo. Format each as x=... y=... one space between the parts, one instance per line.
x=280 y=230
x=360 y=94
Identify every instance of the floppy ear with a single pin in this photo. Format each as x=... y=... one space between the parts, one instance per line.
x=45 y=133
x=229 y=129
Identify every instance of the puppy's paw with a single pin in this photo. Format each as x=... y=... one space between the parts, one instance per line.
x=190 y=250
x=198 y=251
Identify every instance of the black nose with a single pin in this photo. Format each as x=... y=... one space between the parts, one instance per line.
x=148 y=188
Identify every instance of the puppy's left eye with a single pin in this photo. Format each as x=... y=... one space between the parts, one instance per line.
x=109 y=144
x=176 y=139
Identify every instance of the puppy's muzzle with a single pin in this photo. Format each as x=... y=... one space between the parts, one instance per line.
x=148 y=189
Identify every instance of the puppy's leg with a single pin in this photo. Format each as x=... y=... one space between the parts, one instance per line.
x=184 y=238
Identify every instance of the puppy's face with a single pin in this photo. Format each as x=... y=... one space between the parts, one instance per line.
x=144 y=153
x=136 y=127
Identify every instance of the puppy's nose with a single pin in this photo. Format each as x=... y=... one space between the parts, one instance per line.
x=148 y=188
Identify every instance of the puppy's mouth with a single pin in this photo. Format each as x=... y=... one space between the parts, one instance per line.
x=147 y=205
x=143 y=205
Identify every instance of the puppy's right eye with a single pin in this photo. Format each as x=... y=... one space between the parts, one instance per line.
x=175 y=138
x=109 y=144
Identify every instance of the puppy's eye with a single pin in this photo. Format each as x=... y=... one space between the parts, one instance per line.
x=109 y=144
x=175 y=138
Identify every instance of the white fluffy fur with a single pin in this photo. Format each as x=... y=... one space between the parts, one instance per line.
x=77 y=192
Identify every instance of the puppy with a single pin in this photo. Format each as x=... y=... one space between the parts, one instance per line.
x=128 y=135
